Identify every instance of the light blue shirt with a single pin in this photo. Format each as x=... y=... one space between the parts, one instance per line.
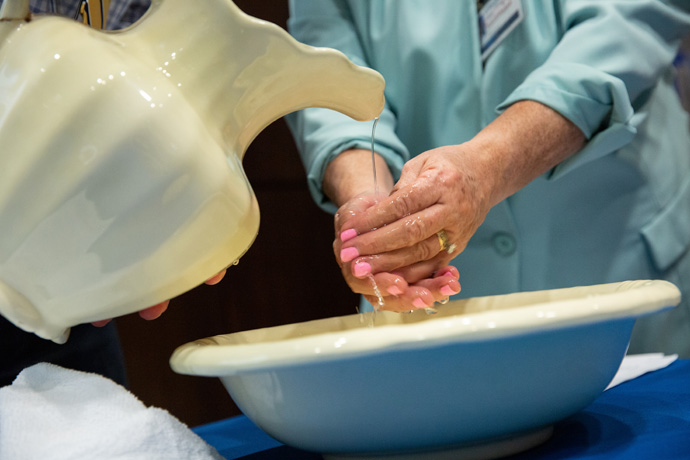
x=617 y=210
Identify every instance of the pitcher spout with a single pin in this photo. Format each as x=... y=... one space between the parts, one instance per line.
x=240 y=73
x=296 y=77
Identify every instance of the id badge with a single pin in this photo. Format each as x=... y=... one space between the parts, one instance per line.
x=497 y=18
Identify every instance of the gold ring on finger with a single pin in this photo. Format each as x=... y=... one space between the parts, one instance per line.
x=445 y=244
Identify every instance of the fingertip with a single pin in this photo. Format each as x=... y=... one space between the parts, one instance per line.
x=361 y=269
x=423 y=299
x=348 y=234
x=394 y=290
x=448 y=271
x=452 y=288
x=101 y=323
x=455 y=285
x=154 y=312
x=349 y=254
x=419 y=303
x=217 y=278
x=149 y=315
x=447 y=291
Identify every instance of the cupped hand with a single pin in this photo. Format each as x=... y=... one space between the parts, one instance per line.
x=157 y=310
x=386 y=290
x=444 y=189
x=423 y=294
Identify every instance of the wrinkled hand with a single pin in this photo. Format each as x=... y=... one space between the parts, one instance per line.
x=450 y=188
x=384 y=289
x=157 y=310
x=441 y=189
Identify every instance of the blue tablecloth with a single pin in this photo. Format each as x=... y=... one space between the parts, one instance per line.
x=646 y=418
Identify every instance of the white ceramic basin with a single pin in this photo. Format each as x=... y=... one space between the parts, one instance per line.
x=483 y=378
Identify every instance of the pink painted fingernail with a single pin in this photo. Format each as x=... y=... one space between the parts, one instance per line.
x=348 y=234
x=362 y=269
x=447 y=272
x=447 y=291
x=349 y=254
x=419 y=303
x=394 y=290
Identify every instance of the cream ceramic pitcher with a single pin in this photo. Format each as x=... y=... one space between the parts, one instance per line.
x=121 y=182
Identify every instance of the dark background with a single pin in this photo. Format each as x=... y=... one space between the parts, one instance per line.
x=289 y=275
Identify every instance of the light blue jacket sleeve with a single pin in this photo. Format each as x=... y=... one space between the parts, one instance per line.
x=608 y=61
x=322 y=134
x=602 y=61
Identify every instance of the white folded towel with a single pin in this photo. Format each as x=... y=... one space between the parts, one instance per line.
x=54 y=413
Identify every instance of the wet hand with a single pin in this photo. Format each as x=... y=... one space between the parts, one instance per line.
x=423 y=294
x=452 y=188
x=442 y=197
x=386 y=290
